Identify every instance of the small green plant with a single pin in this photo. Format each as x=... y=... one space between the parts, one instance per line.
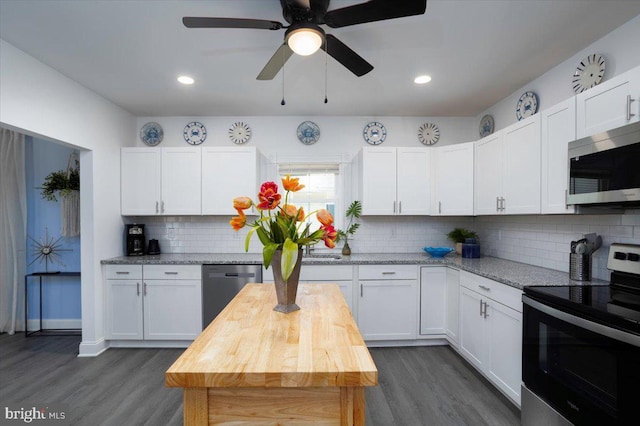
x=353 y=212
x=59 y=181
x=458 y=235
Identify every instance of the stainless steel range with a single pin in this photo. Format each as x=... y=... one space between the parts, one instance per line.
x=581 y=348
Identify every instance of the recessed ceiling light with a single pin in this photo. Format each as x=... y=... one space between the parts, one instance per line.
x=185 y=79
x=422 y=79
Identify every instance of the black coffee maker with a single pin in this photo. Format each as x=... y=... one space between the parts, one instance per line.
x=134 y=240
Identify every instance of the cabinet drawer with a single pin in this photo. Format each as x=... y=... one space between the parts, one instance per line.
x=123 y=272
x=172 y=272
x=388 y=272
x=326 y=273
x=501 y=293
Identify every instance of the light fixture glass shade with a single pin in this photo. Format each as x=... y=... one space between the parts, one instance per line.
x=304 y=41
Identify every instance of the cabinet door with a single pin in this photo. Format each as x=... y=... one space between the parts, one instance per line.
x=172 y=309
x=413 y=181
x=379 y=181
x=181 y=180
x=124 y=310
x=558 y=128
x=453 y=180
x=472 y=343
x=488 y=174
x=388 y=310
x=452 y=306
x=608 y=105
x=433 y=290
x=504 y=345
x=521 y=178
x=140 y=179
x=227 y=173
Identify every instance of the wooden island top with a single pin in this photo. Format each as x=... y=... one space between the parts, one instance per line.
x=253 y=365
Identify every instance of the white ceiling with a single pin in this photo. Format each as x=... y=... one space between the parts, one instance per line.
x=477 y=51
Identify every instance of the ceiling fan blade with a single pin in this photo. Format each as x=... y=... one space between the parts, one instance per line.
x=374 y=10
x=276 y=63
x=347 y=57
x=261 y=24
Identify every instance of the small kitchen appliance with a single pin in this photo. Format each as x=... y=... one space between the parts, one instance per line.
x=154 y=247
x=580 y=258
x=134 y=240
x=581 y=348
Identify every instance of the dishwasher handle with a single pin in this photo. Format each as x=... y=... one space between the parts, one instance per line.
x=231 y=275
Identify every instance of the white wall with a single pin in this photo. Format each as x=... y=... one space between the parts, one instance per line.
x=37 y=100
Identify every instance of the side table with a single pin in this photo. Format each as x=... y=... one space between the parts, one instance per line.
x=41 y=330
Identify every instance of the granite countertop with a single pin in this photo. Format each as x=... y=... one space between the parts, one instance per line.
x=511 y=273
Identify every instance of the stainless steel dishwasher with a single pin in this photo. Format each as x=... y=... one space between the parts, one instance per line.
x=221 y=283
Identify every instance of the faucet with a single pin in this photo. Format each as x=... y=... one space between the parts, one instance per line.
x=308 y=249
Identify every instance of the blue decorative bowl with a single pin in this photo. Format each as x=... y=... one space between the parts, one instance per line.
x=438 y=251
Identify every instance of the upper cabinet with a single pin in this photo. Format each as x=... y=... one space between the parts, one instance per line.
x=452 y=180
x=395 y=181
x=507 y=175
x=608 y=105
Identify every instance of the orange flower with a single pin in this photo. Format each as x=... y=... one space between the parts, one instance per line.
x=324 y=217
x=238 y=222
x=330 y=235
x=242 y=203
x=268 y=196
x=289 y=210
x=300 y=214
x=291 y=184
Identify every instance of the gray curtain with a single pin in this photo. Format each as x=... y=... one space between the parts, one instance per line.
x=13 y=229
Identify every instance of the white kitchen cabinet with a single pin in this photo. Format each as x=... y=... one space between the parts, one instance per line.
x=558 y=128
x=388 y=302
x=508 y=170
x=153 y=302
x=491 y=331
x=395 y=181
x=452 y=306
x=452 y=180
x=433 y=294
x=227 y=173
x=610 y=104
x=160 y=181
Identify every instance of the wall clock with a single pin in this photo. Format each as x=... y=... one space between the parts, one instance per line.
x=308 y=132
x=486 y=125
x=374 y=133
x=589 y=73
x=428 y=134
x=151 y=134
x=194 y=133
x=527 y=105
x=239 y=132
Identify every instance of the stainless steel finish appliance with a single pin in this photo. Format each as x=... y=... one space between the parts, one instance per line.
x=581 y=348
x=134 y=240
x=603 y=168
x=221 y=283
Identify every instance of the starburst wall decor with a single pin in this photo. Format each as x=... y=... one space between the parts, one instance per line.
x=47 y=249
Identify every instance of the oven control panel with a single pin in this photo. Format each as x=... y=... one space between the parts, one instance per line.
x=624 y=258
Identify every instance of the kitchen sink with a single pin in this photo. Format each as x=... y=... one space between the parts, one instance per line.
x=322 y=256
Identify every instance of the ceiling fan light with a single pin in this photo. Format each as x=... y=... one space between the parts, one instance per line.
x=304 y=41
x=422 y=79
x=185 y=79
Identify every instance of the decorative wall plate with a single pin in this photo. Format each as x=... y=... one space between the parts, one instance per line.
x=308 y=132
x=195 y=133
x=486 y=125
x=374 y=133
x=589 y=73
x=151 y=134
x=428 y=134
x=239 y=132
x=527 y=105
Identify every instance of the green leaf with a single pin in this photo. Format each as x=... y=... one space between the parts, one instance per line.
x=289 y=258
x=354 y=209
x=246 y=241
x=267 y=253
x=353 y=228
x=262 y=234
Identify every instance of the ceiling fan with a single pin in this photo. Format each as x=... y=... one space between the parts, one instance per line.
x=304 y=35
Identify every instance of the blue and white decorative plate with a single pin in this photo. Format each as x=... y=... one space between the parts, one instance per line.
x=151 y=134
x=308 y=132
x=527 y=105
x=374 y=133
x=486 y=125
x=195 y=133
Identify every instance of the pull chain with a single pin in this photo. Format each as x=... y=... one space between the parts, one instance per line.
x=283 y=61
x=326 y=56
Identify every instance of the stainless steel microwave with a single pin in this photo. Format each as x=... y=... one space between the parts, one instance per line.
x=604 y=169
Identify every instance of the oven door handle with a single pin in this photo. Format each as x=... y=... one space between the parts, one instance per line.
x=612 y=333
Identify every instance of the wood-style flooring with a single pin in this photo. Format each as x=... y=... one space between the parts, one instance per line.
x=418 y=386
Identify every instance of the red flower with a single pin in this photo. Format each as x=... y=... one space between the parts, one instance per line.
x=268 y=196
x=330 y=235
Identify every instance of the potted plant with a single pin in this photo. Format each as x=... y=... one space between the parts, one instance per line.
x=353 y=212
x=459 y=235
x=67 y=184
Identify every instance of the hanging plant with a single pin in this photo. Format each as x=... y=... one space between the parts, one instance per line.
x=60 y=181
x=67 y=184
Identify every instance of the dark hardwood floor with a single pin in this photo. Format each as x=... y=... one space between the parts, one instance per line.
x=418 y=386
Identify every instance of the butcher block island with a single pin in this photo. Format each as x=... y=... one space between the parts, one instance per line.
x=255 y=366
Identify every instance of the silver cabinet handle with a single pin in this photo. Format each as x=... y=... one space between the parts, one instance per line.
x=497 y=204
x=144 y=288
x=486 y=305
x=399 y=207
x=484 y=287
x=170 y=273
x=157 y=208
x=361 y=290
x=629 y=100
x=480 y=307
x=138 y=288
x=162 y=206
x=388 y=272
x=122 y=272
x=439 y=206
x=504 y=204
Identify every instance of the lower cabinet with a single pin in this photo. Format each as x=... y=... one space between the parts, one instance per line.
x=452 y=306
x=388 y=302
x=491 y=331
x=433 y=294
x=153 y=302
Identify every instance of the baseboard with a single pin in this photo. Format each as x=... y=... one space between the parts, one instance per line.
x=405 y=343
x=91 y=349
x=149 y=343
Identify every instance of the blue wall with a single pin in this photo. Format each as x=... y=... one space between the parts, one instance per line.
x=61 y=296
